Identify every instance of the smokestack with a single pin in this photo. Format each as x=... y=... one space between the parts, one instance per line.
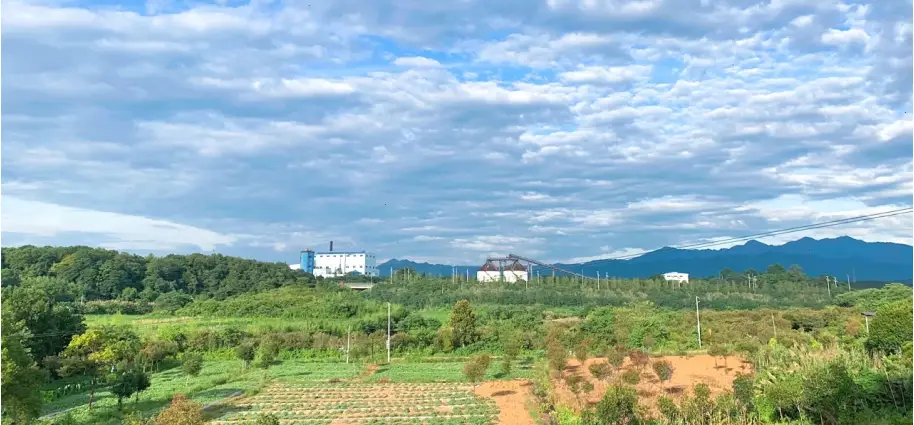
x=331 y=246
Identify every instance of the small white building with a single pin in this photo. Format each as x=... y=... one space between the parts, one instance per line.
x=676 y=277
x=339 y=263
x=513 y=272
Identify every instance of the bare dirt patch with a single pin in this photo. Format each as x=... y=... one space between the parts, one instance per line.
x=687 y=371
x=511 y=397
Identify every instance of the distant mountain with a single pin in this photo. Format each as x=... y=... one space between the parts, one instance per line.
x=839 y=257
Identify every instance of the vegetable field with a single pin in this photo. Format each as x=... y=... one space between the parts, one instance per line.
x=364 y=403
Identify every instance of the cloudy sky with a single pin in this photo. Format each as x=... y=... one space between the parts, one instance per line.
x=446 y=131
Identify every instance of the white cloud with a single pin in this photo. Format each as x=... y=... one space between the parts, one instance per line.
x=116 y=230
x=417 y=62
x=605 y=75
x=844 y=37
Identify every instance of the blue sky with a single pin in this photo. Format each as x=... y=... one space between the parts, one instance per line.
x=448 y=131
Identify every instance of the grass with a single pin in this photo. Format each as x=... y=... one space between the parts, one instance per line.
x=442 y=372
x=149 y=325
x=218 y=380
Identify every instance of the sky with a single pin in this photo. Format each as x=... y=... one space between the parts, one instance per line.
x=562 y=130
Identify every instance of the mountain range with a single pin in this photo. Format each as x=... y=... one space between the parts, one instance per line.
x=843 y=257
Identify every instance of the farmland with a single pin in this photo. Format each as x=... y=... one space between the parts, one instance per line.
x=391 y=403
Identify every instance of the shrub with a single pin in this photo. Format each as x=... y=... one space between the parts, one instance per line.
x=616 y=356
x=246 y=352
x=582 y=351
x=664 y=370
x=267 y=419
x=600 y=370
x=639 y=358
x=181 y=412
x=191 y=365
x=631 y=377
x=891 y=327
x=619 y=406
x=475 y=368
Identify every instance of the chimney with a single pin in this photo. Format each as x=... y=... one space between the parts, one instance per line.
x=331 y=246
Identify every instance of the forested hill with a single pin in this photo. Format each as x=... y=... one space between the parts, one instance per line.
x=101 y=274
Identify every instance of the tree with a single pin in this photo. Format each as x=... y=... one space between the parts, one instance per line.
x=21 y=398
x=619 y=406
x=718 y=350
x=582 y=351
x=631 y=377
x=98 y=350
x=191 y=365
x=38 y=305
x=640 y=359
x=266 y=354
x=555 y=351
x=664 y=371
x=181 y=411
x=891 y=327
x=463 y=324
x=475 y=368
x=246 y=352
x=127 y=381
x=616 y=357
x=511 y=346
x=578 y=386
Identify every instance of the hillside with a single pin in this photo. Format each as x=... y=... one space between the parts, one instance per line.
x=839 y=257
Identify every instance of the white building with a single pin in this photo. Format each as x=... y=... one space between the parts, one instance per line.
x=676 y=277
x=490 y=273
x=342 y=263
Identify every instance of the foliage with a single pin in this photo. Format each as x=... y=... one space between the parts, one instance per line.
x=631 y=377
x=582 y=350
x=463 y=324
x=663 y=369
x=600 y=370
x=44 y=307
x=98 y=350
x=246 y=352
x=873 y=298
x=891 y=328
x=267 y=419
x=21 y=400
x=619 y=406
x=476 y=367
x=555 y=350
x=182 y=411
x=127 y=381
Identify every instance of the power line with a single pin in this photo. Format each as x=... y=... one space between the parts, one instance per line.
x=785 y=231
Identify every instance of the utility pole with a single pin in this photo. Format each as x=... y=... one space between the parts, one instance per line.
x=773 y=327
x=698 y=319
x=468 y=275
x=848 y=281
x=348 y=333
x=388 y=332
x=828 y=286
x=391 y=275
x=598 y=280
x=867 y=319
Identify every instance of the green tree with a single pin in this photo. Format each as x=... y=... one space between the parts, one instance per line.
x=126 y=381
x=246 y=352
x=21 y=399
x=619 y=406
x=475 y=369
x=463 y=324
x=511 y=346
x=556 y=354
x=39 y=304
x=96 y=351
x=582 y=351
x=600 y=370
x=191 y=365
x=891 y=328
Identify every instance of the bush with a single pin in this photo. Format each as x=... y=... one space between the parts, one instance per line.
x=600 y=370
x=267 y=419
x=631 y=377
x=475 y=368
x=664 y=370
x=619 y=406
x=181 y=412
x=891 y=328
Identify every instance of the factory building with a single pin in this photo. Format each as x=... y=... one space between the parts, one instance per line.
x=338 y=263
x=513 y=272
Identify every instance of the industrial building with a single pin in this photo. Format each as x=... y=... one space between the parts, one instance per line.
x=338 y=263
x=676 y=277
x=513 y=272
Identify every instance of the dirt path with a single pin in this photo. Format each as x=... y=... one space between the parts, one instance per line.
x=511 y=398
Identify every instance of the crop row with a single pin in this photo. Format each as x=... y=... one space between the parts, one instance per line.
x=429 y=420
x=256 y=402
x=453 y=410
x=356 y=386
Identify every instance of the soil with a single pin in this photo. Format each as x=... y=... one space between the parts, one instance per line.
x=687 y=371
x=512 y=398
